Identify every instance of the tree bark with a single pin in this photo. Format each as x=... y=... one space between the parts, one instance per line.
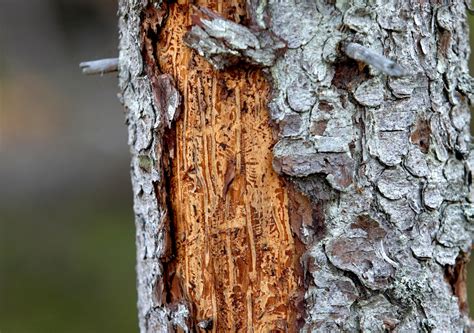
x=299 y=165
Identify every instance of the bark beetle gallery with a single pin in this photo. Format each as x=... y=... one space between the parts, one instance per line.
x=299 y=165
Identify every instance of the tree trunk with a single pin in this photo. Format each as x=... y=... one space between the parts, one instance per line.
x=299 y=165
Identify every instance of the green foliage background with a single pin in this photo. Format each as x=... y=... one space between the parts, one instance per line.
x=67 y=235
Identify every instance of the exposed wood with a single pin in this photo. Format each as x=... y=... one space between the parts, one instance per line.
x=236 y=261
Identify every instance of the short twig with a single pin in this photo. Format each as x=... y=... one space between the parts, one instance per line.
x=378 y=61
x=384 y=255
x=101 y=66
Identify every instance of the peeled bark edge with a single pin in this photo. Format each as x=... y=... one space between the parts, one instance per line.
x=152 y=104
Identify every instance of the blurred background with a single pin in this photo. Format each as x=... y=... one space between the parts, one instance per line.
x=67 y=244
x=67 y=237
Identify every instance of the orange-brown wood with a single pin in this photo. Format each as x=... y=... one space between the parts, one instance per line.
x=236 y=260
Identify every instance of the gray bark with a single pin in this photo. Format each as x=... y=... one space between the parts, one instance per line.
x=146 y=122
x=382 y=151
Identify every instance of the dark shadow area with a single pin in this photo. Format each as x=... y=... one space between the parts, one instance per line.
x=470 y=273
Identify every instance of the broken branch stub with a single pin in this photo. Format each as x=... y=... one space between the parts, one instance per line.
x=378 y=61
x=101 y=66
